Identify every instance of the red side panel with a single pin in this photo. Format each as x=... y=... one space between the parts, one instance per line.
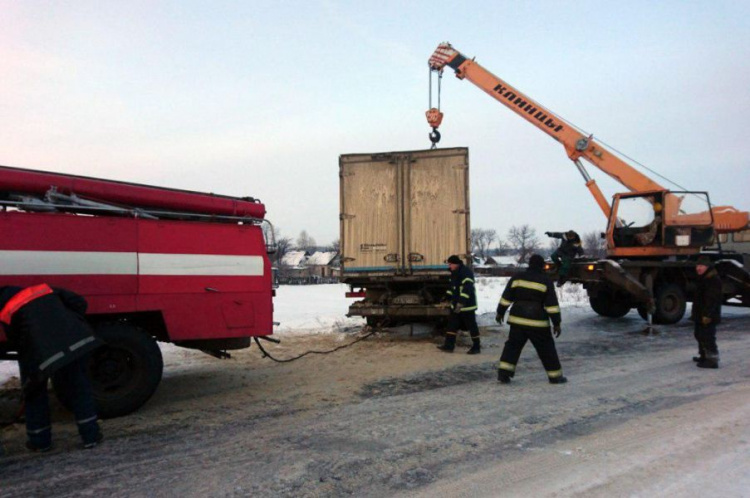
x=208 y=280
x=218 y=278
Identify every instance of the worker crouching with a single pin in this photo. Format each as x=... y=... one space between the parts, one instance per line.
x=534 y=304
x=463 y=299
x=53 y=340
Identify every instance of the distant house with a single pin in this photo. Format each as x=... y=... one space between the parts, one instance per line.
x=497 y=265
x=294 y=258
x=503 y=261
x=301 y=267
x=320 y=264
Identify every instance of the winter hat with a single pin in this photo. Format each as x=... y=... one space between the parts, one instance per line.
x=705 y=261
x=536 y=262
x=455 y=260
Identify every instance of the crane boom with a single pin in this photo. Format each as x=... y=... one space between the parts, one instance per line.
x=577 y=145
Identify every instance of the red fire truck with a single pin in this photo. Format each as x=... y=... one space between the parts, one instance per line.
x=155 y=264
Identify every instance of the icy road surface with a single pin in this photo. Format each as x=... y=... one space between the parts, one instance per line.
x=392 y=416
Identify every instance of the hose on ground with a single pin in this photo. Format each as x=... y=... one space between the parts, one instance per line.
x=286 y=360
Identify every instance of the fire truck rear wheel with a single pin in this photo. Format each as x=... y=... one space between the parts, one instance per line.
x=125 y=371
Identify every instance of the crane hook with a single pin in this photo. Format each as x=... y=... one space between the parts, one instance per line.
x=434 y=118
x=434 y=138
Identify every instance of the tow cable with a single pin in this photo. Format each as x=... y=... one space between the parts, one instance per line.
x=286 y=360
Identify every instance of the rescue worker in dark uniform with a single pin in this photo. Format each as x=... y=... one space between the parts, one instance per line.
x=53 y=339
x=706 y=313
x=570 y=247
x=463 y=299
x=534 y=303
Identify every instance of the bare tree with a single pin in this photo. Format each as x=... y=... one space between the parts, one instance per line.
x=305 y=242
x=524 y=241
x=272 y=236
x=594 y=245
x=283 y=246
x=335 y=246
x=481 y=241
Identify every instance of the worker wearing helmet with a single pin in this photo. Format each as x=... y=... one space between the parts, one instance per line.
x=570 y=247
x=49 y=330
x=533 y=304
x=707 y=312
x=463 y=299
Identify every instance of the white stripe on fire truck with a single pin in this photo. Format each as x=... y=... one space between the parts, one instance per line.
x=68 y=263
x=199 y=264
x=127 y=263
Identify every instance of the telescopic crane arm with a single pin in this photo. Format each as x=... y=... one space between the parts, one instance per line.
x=577 y=145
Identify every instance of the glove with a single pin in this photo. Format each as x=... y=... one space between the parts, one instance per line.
x=457 y=307
x=499 y=318
x=557 y=331
x=705 y=320
x=547 y=234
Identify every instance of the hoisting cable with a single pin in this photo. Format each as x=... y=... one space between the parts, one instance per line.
x=434 y=116
x=621 y=154
x=267 y=354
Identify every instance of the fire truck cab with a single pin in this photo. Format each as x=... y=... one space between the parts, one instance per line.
x=154 y=264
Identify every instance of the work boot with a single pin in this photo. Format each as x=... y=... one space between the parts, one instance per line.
x=503 y=377
x=558 y=380
x=475 y=349
x=94 y=443
x=699 y=358
x=38 y=449
x=705 y=363
x=445 y=348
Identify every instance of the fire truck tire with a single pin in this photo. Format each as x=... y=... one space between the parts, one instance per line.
x=670 y=304
x=125 y=371
x=609 y=306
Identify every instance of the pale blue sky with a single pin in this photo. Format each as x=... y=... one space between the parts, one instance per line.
x=260 y=98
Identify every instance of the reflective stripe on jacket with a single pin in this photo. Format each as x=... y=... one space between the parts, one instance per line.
x=21 y=299
x=462 y=289
x=533 y=299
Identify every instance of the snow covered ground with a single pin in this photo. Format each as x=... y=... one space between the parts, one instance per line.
x=320 y=309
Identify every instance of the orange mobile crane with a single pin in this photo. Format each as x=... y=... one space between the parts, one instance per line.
x=652 y=234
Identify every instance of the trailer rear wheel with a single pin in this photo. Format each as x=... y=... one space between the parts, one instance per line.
x=125 y=371
x=670 y=304
x=608 y=305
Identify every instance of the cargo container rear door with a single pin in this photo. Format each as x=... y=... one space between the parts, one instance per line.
x=370 y=215
x=436 y=208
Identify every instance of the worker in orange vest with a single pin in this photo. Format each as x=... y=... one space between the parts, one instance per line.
x=53 y=340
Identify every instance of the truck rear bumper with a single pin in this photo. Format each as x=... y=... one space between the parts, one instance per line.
x=361 y=308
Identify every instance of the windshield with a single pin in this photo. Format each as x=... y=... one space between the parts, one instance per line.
x=687 y=208
x=635 y=212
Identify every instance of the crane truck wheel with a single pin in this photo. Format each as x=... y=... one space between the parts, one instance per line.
x=125 y=371
x=670 y=304
x=608 y=305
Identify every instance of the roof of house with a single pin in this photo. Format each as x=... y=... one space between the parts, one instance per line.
x=293 y=258
x=321 y=258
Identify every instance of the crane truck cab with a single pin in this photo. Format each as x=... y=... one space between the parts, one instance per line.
x=659 y=223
